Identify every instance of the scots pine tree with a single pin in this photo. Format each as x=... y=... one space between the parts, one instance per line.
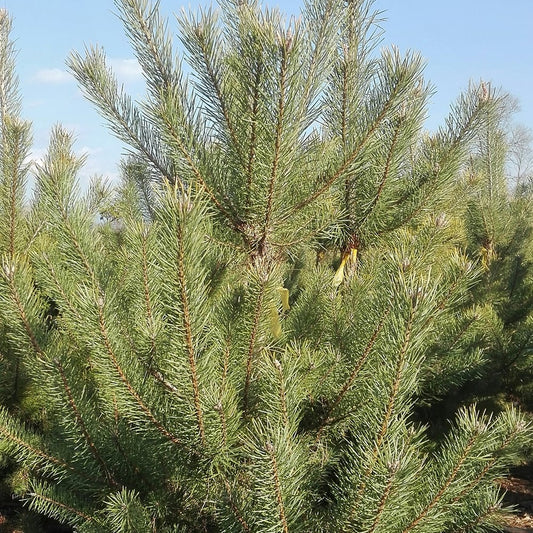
x=241 y=330
x=15 y=141
x=499 y=233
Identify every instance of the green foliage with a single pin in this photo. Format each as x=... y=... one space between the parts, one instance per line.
x=499 y=231
x=236 y=337
x=14 y=150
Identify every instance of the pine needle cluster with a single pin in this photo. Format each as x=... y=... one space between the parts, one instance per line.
x=236 y=338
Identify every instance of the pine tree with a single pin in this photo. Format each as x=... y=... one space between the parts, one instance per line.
x=240 y=345
x=499 y=230
x=15 y=141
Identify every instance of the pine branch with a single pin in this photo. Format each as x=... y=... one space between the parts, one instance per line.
x=15 y=142
x=355 y=372
x=385 y=175
x=400 y=364
x=251 y=345
x=277 y=143
x=490 y=464
x=65 y=300
x=9 y=273
x=344 y=127
x=51 y=502
x=14 y=182
x=466 y=113
x=334 y=176
x=325 y=15
x=9 y=94
x=279 y=497
x=129 y=387
x=282 y=393
x=148 y=300
x=188 y=331
x=228 y=212
x=56 y=178
x=207 y=48
x=234 y=509
x=152 y=43
x=436 y=499
x=125 y=120
x=389 y=411
x=39 y=452
x=83 y=427
x=472 y=526
x=74 y=240
x=349 y=50
x=383 y=501
x=253 y=132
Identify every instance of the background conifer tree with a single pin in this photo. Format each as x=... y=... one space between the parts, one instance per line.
x=499 y=230
x=241 y=346
x=15 y=141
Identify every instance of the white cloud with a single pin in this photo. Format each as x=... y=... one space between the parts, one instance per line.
x=89 y=151
x=53 y=75
x=126 y=69
x=37 y=155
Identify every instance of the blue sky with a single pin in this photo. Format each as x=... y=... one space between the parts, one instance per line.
x=461 y=40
